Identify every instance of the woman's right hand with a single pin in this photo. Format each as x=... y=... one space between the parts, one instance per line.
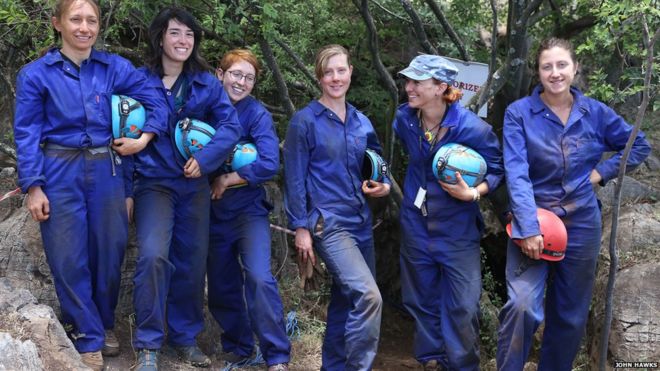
x=304 y=246
x=38 y=204
x=532 y=246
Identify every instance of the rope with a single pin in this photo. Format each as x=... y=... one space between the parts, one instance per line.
x=257 y=360
x=292 y=332
x=9 y=194
x=292 y=329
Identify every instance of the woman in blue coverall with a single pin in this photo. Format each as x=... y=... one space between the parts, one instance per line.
x=240 y=227
x=73 y=179
x=325 y=197
x=441 y=223
x=172 y=194
x=553 y=143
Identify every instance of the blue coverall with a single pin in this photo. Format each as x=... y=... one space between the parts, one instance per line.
x=548 y=166
x=323 y=161
x=172 y=216
x=240 y=227
x=440 y=256
x=63 y=131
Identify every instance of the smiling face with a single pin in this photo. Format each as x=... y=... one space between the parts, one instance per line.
x=178 y=42
x=238 y=80
x=557 y=70
x=79 y=27
x=424 y=93
x=336 y=77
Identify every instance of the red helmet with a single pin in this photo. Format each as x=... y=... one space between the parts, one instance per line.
x=554 y=235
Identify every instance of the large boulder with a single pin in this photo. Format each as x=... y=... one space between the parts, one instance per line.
x=31 y=337
x=635 y=329
x=632 y=191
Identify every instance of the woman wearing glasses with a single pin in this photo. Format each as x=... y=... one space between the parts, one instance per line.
x=240 y=228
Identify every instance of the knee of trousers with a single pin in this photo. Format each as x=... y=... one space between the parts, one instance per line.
x=522 y=308
x=153 y=265
x=371 y=299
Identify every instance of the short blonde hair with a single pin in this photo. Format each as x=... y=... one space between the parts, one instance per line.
x=324 y=55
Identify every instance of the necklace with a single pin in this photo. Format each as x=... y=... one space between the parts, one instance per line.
x=429 y=134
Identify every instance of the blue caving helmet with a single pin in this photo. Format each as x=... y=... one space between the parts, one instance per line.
x=244 y=153
x=373 y=166
x=192 y=135
x=453 y=157
x=128 y=117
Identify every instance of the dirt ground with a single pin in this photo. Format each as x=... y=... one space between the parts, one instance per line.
x=395 y=350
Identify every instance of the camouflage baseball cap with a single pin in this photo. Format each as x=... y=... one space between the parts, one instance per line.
x=427 y=66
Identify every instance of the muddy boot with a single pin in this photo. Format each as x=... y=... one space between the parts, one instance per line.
x=93 y=360
x=111 y=344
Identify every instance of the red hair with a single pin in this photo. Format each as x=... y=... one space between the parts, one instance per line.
x=238 y=55
x=452 y=95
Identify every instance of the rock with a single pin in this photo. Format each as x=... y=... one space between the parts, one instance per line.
x=18 y=355
x=653 y=162
x=635 y=329
x=633 y=191
x=44 y=344
x=638 y=234
x=635 y=332
x=22 y=259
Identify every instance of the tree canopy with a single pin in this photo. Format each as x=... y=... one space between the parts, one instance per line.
x=382 y=35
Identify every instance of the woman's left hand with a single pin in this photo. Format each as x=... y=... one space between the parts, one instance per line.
x=460 y=190
x=375 y=189
x=191 y=169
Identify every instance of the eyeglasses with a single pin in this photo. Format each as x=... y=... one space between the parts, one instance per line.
x=238 y=76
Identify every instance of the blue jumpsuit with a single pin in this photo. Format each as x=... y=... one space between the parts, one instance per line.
x=322 y=161
x=440 y=256
x=548 y=165
x=240 y=227
x=172 y=216
x=63 y=131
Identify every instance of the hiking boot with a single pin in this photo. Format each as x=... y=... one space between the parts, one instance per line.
x=147 y=360
x=111 y=344
x=279 y=367
x=192 y=354
x=432 y=365
x=93 y=360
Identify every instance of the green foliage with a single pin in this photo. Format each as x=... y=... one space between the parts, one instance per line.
x=614 y=47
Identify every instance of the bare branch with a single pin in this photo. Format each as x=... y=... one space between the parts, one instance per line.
x=406 y=20
x=385 y=78
x=299 y=63
x=614 y=259
x=480 y=98
x=517 y=51
x=449 y=30
x=282 y=89
x=418 y=28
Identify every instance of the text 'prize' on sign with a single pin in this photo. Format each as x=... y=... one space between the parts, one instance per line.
x=470 y=79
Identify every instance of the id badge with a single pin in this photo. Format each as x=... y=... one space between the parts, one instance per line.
x=420 y=198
